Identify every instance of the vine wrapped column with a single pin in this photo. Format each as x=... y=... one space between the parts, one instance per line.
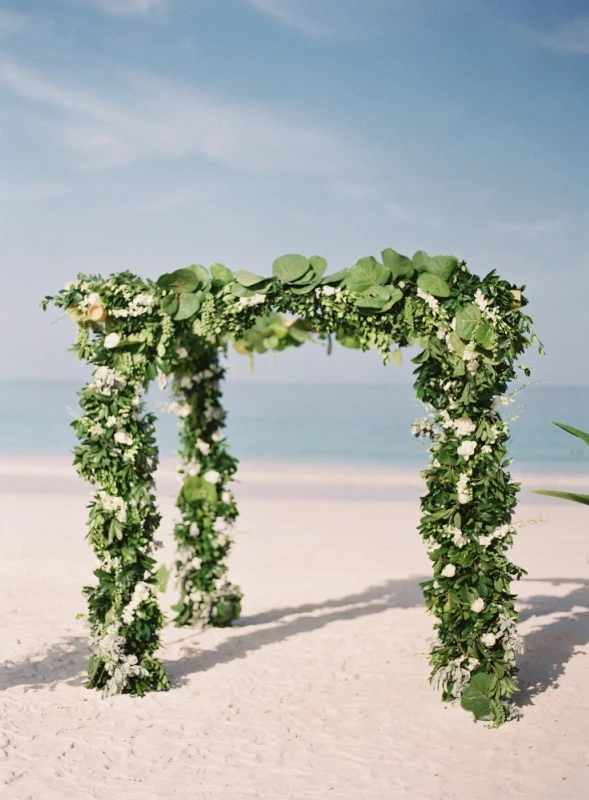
x=207 y=507
x=117 y=453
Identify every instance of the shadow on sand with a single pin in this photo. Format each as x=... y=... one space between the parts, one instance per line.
x=549 y=647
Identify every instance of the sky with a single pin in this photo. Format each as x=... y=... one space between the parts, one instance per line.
x=152 y=134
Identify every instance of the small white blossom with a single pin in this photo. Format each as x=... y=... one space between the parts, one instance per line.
x=464 y=426
x=328 y=290
x=194 y=530
x=462 y=489
x=182 y=352
x=449 y=571
x=226 y=497
x=112 y=340
x=212 y=476
x=488 y=639
x=467 y=449
x=429 y=299
x=186 y=382
x=217 y=436
x=255 y=300
x=121 y=437
x=111 y=422
x=203 y=447
x=478 y=605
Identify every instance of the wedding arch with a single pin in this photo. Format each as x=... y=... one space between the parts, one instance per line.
x=470 y=330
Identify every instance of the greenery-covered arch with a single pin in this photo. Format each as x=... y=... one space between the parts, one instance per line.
x=132 y=331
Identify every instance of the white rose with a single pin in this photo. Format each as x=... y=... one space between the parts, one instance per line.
x=123 y=438
x=212 y=476
x=182 y=352
x=112 y=340
x=217 y=436
x=449 y=571
x=111 y=422
x=226 y=497
x=478 y=605
x=488 y=639
x=464 y=426
x=467 y=448
x=203 y=447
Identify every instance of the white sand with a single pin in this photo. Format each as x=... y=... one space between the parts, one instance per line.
x=321 y=691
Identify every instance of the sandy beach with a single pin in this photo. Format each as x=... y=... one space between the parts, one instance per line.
x=321 y=689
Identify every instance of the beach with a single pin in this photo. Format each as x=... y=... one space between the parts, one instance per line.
x=321 y=689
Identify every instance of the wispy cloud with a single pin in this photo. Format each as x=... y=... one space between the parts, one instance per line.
x=147 y=118
x=307 y=17
x=571 y=37
x=530 y=231
x=129 y=8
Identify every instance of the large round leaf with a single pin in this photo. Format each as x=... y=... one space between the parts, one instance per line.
x=184 y=280
x=170 y=304
x=290 y=267
x=420 y=259
x=248 y=279
x=196 y=490
x=366 y=274
x=202 y=274
x=443 y=266
x=433 y=284
x=189 y=304
x=400 y=266
x=477 y=696
x=221 y=274
x=335 y=279
x=467 y=320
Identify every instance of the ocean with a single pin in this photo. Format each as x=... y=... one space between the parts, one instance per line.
x=311 y=423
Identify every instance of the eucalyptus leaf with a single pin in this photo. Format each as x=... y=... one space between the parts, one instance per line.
x=420 y=260
x=189 y=304
x=443 y=266
x=170 y=305
x=221 y=274
x=335 y=279
x=248 y=279
x=399 y=265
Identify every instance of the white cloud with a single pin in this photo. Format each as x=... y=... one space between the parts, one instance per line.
x=129 y=8
x=301 y=15
x=530 y=231
x=572 y=37
x=147 y=118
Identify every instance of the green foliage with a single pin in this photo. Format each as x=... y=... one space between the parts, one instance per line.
x=575 y=497
x=470 y=335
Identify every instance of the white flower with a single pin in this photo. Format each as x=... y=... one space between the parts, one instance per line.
x=203 y=447
x=449 y=571
x=186 y=382
x=226 y=497
x=111 y=422
x=458 y=537
x=486 y=448
x=194 y=530
x=470 y=352
x=488 y=639
x=462 y=489
x=328 y=290
x=464 y=426
x=255 y=300
x=212 y=476
x=182 y=352
x=480 y=300
x=217 y=436
x=467 y=448
x=478 y=605
x=111 y=340
x=429 y=299
x=123 y=438
x=485 y=541
x=441 y=333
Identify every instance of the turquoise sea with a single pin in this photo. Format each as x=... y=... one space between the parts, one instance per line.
x=321 y=423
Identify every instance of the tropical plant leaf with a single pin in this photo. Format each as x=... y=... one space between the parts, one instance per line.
x=420 y=259
x=366 y=274
x=347 y=339
x=195 y=489
x=484 y=335
x=433 y=284
x=183 y=280
x=221 y=274
x=170 y=304
x=189 y=304
x=576 y=498
x=575 y=431
x=399 y=265
x=162 y=576
x=476 y=698
x=457 y=344
x=204 y=279
x=335 y=279
x=290 y=267
x=443 y=266
x=248 y=279
x=467 y=320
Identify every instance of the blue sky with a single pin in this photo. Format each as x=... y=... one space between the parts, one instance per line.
x=150 y=134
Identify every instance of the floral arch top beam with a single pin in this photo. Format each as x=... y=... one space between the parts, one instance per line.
x=132 y=330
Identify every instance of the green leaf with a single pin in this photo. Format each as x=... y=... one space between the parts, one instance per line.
x=204 y=279
x=184 y=280
x=298 y=331
x=576 y=498
x=575 y=431
x=221 y=274
x=442 y=266
x=378 y=299
x=189 y=304
x=248 y=279
x=400 y=266
x=196 y=490
x=476 y=698
x=484 y=335
x=366 y=274
x=290 y=267
x=319 y=265
x=467 y=319
x=433 y=284
x=420 y=259
x=162 y=576
x=347 y=339
x=398 y=357
x=170 y=304
x=335 y=279
x=237 y=290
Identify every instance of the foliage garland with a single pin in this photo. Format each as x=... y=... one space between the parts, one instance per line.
x=470 y=330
